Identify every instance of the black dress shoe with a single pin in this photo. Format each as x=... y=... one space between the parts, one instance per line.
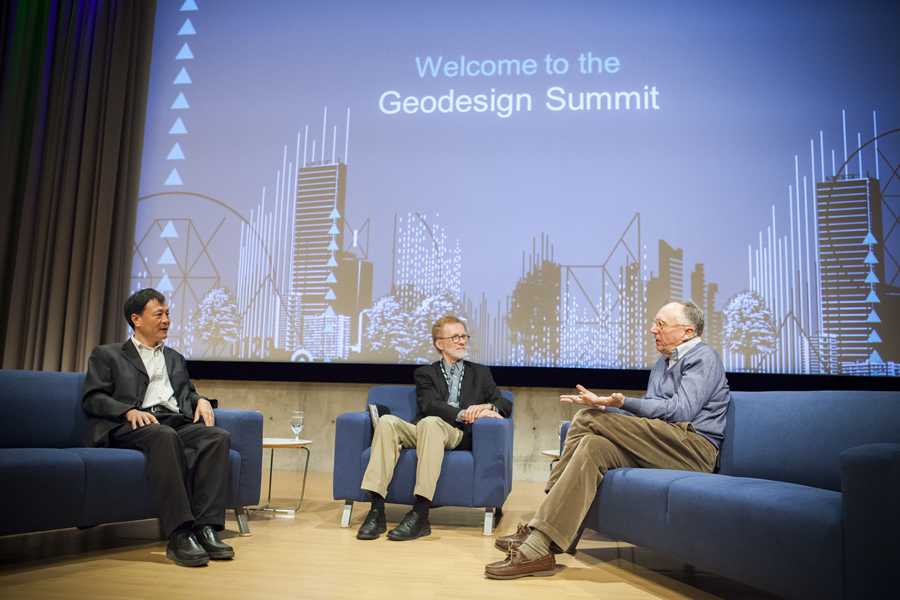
x=373 y=526
x=185 y=551
x=411 y=527
x=209 y=539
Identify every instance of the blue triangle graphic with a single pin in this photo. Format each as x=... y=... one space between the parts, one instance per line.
x=873 y=318
x=174 y=178
x=331 y=278
x=178 y=127
x=180 y=101
x=176 y=153
x=330 y=295
x=183 y=77
x=167 y=258
x=334 y=230
x=872 y=277
x=189 y=5
x=165 y=285
x=875 y=359
x=185 y=53
x=331 y=262
x=329 y=312
x=870 y=239
x=169 y=231
x=874 y=337
x=187 y=28
x=872 y=297
x=334 y=214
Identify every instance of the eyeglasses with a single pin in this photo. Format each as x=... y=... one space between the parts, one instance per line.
x=458 y=338
x=660 y=324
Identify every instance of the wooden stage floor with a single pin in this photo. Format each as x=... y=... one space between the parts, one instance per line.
x=308 y=555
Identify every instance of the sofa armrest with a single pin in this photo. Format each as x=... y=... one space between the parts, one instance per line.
x=492 y=450
x=352 y=435
x=870 y=496
x=246 y=429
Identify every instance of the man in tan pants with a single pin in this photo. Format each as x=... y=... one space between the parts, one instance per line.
x=451 y=394
x=679 y=424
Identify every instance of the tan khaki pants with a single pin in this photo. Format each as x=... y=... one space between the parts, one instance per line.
x=430 y=437
x=598 y=441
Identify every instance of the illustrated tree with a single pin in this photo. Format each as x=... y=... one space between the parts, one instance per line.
x=216 y=321
x=533 y=318
x=749 y=326
x=399 y=326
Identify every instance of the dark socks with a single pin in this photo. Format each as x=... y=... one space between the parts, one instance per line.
x=377 y=501
x=422 y=505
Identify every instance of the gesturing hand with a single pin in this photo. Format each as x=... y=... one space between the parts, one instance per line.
x=589 y=398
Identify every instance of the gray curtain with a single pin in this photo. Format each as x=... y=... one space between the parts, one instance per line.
x=73 y=90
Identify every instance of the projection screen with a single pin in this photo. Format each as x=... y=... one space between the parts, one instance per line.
x=320 y=181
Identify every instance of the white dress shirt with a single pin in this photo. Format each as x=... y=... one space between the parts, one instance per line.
x=160 y=389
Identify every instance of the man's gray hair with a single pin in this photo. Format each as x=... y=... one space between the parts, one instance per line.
x=693 y=314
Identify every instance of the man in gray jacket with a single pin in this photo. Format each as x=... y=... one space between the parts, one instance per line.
x=679 y=424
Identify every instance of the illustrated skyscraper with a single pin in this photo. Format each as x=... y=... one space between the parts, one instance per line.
x=852 y=267
x=318 y=238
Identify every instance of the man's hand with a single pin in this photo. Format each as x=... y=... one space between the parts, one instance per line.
x=479 y=411
x=589 y=398
x=139 y=419
x=204 y=409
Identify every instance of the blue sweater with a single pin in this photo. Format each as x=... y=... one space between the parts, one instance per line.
x=693 y=391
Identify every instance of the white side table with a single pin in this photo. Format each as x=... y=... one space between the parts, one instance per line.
x=272 y=444
x=553 y=455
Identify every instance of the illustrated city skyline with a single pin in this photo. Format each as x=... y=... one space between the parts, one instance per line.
x=817 y=298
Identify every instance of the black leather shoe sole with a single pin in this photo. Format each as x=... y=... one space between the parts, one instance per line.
x=186 y=562
x=403 y=537
x=220 y=554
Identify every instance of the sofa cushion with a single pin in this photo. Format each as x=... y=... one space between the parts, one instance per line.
x=632 y=504
x=117 y=485
x=43 y=488
x=47 y=409
x=798 y=437
x=781 y=537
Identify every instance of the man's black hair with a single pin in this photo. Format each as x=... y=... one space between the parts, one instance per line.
x=138 y=301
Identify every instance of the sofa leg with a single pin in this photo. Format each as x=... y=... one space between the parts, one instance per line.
x=492 y=518
x=348 y=510
x=243 y=525
x=571 y=549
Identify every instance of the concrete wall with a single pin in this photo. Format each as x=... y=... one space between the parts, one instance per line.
x=537 y=414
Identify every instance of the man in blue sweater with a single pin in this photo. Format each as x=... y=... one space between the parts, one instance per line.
x=679 y=424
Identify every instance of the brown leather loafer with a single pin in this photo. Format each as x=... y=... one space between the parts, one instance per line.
x=521 y=534
x=517 y=565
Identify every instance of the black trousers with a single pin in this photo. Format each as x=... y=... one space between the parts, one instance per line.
x=187 y=466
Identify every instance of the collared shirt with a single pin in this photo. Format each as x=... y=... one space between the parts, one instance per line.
x=679 y=351
x=160 y=389
x=453 y=374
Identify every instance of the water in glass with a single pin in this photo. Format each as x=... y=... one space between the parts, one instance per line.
x=297 y=424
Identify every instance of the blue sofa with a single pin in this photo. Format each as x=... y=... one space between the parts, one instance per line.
x=806 y=503
x=50 y=481
x=481 y=477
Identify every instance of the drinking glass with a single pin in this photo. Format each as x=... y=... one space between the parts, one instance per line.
x=297 y=424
